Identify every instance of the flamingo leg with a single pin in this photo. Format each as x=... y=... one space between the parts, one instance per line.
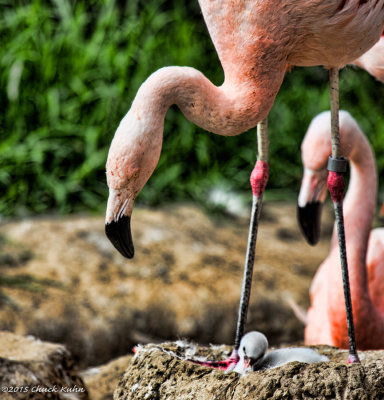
x=259 y=178
x=337 y=166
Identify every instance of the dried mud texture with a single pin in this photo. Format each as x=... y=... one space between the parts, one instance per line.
x=31 y=369
x=160 y=372
x=62 y=281
x=101 y=381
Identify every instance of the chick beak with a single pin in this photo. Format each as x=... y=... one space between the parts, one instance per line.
x=247 y=363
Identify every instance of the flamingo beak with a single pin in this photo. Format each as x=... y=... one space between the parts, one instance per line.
x=309 y=219
x=312 y=195
x=118 y=222
x=247 y=363
x=119 y=233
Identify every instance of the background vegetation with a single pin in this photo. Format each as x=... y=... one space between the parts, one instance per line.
x=69 y=72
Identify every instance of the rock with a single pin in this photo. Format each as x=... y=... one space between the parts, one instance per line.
x=160 y=372
x=31 y=369
x=102 y=381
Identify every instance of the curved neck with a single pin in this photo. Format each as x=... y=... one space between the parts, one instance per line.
x=227 y=110
x=360 y=201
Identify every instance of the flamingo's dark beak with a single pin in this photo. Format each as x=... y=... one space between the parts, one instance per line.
x=119 y=233
x=309 y=219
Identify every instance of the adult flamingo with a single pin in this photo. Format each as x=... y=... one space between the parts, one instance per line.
x=255 y=40
x=365 y=248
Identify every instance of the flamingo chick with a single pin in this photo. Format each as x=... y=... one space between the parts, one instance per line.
x=253 y=354
x=326 y=323
x=255 y=40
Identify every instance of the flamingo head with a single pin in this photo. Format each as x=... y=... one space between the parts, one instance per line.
x=132 y=157
x=253 y=347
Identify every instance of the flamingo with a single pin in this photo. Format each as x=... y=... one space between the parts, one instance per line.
x=326 y=316
x=256 y=40
x=254 y=356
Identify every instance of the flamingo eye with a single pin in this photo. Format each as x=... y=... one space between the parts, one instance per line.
x=134 y=173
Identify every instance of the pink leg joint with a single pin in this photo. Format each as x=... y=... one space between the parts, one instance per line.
x=259 y=178
x=336 y=186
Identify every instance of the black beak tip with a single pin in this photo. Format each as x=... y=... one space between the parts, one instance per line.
x=119 y=233
x=309 y=219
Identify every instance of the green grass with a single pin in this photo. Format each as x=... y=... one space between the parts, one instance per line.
x=69 y=72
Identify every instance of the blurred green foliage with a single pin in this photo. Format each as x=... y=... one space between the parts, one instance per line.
x=69 y=72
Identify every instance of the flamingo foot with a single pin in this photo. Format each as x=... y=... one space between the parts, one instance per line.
x=224 y=365
x=353 y=358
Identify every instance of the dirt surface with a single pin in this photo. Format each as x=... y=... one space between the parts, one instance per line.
x=31 y=369
x=102 y=381
x=162 y=373
x=62 y=281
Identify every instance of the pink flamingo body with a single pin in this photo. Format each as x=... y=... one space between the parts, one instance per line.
x=326 y=320
x=373 y=60
x=255 y=41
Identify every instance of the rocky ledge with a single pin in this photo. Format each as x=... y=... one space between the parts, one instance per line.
x=163 y=372
x=32 y=369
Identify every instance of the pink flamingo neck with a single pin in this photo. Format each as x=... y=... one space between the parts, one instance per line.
x=359 y=205
x=227 y=110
